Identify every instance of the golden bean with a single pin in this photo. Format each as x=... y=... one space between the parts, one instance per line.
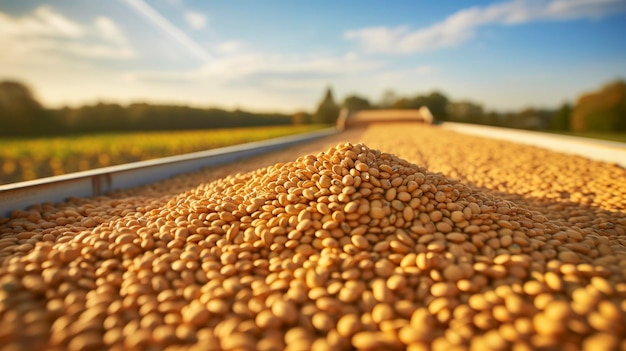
x=440 y=289
x=435 y=216
x=396 y=282
x=376 y=212
x=348 y=325
x=322 y=321
x=382 y=312
x=453 y=273
x=455 y=237
x=360 y=242
x=195 y=314
x=553 y=281
x=370 y=340
x=238 y=341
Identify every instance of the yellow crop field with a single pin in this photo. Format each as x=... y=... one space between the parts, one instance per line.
x=32 y=158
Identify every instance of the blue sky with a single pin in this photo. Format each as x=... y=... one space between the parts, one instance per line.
x=280 y=55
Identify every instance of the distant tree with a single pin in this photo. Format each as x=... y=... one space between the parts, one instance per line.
x=404 y=103
x=355 y=102
x=107 y=117
x=529 y=118
x=409 y=103
x=601 y=111
x=492 y=118
x=466 y=111
x=15 y=95
x=561 y=118
x=300 y=118
x=388 y=99
x=327 y=111
x=22 y=115
x=437 y=103
x=20 y=112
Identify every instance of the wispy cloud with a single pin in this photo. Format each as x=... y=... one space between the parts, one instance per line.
x=268 y=69
x=109 y=30
x=230 y=47
x=46 y=22
x=162 y=23
x=46 y=32
x=196 y=20
x=462 y=25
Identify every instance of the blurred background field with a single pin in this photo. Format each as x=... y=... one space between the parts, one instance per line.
x=38 y=141
x=38 y=157
x=77 y=81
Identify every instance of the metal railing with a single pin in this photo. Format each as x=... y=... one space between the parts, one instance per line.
x=599 y=150
x=103 y=180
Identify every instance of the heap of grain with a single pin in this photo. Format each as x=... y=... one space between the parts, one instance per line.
x=347 y=249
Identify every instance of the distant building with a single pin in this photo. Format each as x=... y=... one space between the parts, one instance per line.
x=351 y=119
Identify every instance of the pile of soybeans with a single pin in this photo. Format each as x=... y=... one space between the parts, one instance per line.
x=351 y=248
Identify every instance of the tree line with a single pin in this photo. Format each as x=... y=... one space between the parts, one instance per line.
x=21 y=114
x=603 y=110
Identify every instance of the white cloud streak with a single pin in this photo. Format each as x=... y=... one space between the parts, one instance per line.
x=462 y=25
x=109 y=30
x=268 y=69
x=230 y=47
x=162 y=23
x=47 y=22
x=196 y=20
x=46 y=32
